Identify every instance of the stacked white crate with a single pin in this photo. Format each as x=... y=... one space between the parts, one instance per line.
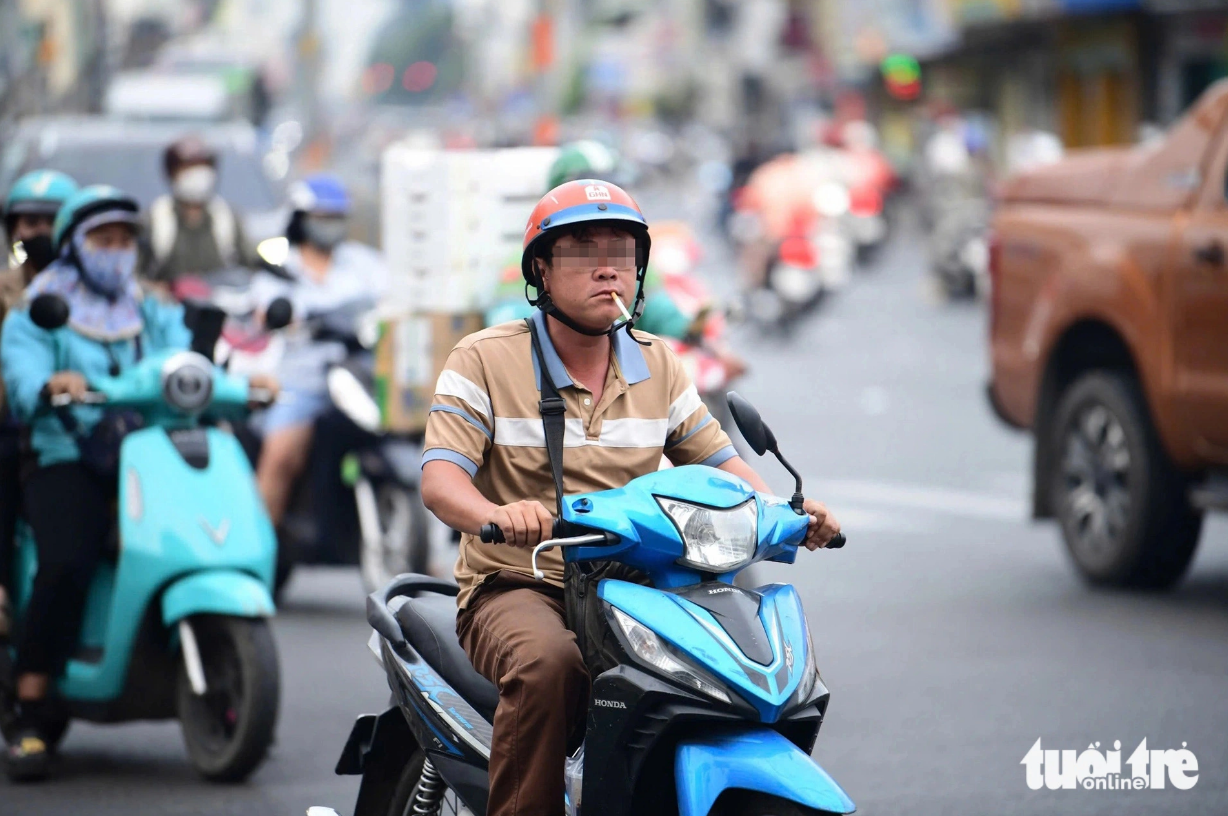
x=452 y=219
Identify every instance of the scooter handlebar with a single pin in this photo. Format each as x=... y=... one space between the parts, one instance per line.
x=837 y=541
x=88 y=398
x=492 y=534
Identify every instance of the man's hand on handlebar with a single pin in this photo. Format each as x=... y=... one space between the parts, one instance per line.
x=524 y=523
x=71 y=383
x=823 y=525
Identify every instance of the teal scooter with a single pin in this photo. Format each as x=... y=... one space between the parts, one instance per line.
x=176 y=625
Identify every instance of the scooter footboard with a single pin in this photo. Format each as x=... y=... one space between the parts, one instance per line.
x=755 y=759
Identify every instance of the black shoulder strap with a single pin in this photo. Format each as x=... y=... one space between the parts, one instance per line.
x=553 y=410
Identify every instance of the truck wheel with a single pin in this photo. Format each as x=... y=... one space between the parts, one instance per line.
x=228 y=729
x=1121 y=504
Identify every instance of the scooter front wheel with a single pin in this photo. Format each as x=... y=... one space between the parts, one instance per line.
x=229 y=728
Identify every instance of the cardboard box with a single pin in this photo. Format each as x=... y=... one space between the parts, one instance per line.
x=410 y=355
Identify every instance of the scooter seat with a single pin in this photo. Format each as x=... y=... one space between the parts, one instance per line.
x=429 y=625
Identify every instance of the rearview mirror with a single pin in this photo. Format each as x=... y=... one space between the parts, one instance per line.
x=278 y=315
x=49 y=312
x=757 y=434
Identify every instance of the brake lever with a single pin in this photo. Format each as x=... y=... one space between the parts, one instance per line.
x=573 y=541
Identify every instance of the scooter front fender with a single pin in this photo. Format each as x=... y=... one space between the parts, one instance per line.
x=216 y=592
x=758 y=760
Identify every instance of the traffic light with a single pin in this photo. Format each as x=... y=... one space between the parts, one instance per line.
x=901 y=76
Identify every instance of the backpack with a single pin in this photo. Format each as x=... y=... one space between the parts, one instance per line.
x=164 y=229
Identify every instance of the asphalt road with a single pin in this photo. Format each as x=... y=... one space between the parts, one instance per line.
x=951 y=630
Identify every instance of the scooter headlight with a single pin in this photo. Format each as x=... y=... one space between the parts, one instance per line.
x=187 y=382
x=649 y=648
x=715 y=540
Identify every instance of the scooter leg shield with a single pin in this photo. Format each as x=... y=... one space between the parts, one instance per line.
x=757 y=760
x=216 y=592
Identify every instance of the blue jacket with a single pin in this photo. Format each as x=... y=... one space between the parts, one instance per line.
x=29 y=356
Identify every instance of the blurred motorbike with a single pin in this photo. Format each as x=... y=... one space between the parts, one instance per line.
x=791 y=224
x=357 y=502
x=176 y=618
x=957 y=246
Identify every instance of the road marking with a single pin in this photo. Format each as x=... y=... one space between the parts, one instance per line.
x=946 y=501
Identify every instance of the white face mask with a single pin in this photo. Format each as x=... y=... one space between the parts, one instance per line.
x=195 y=185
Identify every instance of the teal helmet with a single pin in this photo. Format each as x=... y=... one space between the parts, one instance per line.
x=89 y=202
x=585 y=159
x=40 y=192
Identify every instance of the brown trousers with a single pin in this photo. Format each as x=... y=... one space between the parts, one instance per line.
x=514 y=633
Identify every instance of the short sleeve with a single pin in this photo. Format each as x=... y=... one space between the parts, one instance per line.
x=693 y=436
x=460 y=426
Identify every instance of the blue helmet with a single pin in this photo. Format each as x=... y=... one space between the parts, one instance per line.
x=89 y=202
x=322 y=194
x=40 y=192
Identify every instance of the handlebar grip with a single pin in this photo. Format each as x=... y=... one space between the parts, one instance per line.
x=838 y=541
x=492 y=534
x=260 y=396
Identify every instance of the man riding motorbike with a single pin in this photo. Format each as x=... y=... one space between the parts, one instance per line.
x=29 y=210
x=626 y=400
x=323 y=272
x=192 y=230
x=68 y=496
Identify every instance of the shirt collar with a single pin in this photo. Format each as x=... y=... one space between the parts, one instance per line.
x=628 y=353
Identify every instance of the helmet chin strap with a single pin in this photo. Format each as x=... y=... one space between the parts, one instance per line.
x=547 y=305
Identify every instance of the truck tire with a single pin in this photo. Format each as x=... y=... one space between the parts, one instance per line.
x=1120 y=502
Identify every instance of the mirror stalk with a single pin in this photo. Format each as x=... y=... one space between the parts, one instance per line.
x=796 y=501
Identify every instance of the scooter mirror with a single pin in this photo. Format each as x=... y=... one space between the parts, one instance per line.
x=278 y=315
x=758 y=435
x=205 y=321
x=49 y=312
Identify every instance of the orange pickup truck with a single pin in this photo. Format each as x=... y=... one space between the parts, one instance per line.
x=1109 y=342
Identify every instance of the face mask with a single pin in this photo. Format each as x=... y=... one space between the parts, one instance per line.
x=195 y=185
x=107 y=270
x=39 y=251
x=325 y=233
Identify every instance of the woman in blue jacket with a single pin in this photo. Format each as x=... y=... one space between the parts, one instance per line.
x=68 y=496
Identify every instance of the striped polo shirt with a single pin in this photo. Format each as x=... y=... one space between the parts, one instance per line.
x=485 y=419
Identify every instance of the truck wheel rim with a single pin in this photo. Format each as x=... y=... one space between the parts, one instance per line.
x=1096 y=474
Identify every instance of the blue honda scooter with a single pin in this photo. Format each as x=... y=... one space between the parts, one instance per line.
x=717 y=701
x=176 y=623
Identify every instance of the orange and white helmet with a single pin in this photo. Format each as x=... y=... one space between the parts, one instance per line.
x=583 y=201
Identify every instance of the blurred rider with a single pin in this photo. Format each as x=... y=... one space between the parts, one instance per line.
x=323 y=274
x=192 y=230
x=29 y=211
x=67 y=498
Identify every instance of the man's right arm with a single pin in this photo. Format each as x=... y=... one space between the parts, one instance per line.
x=459 y=434
x=448 y=492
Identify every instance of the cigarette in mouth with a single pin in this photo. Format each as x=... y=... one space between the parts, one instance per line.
x=621 y=307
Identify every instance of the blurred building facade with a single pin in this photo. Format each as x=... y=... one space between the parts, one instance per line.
x=1094 y=72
